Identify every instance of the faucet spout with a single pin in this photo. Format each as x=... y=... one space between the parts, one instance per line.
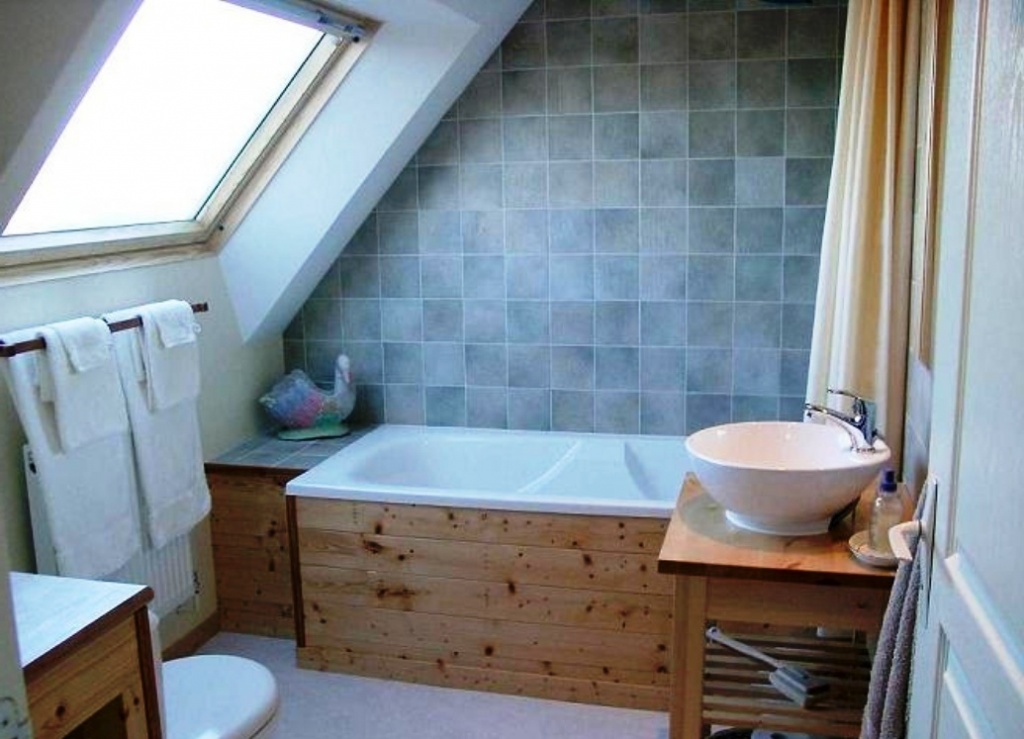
x=859 y=426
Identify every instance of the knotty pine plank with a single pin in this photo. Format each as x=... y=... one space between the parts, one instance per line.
x=550 y=642
x=471 y=678
x=635 y=573
x=538 y=529
x=510 y=600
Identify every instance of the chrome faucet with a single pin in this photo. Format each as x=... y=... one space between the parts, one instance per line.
x=862 y=419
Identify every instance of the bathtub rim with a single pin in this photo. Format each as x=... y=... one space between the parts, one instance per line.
x=484 y=500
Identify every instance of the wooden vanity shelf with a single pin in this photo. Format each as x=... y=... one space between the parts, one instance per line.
x=779 y=588
x=737 y=691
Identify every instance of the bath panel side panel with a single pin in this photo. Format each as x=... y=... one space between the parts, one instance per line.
x=248 y=524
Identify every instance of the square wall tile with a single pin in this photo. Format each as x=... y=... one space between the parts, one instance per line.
x=526 y=185
x=617 y=368
x=617 y=323
x=487 y=365
x=572 y=367
x=482 y=97
x=617 y=412
x=712 y=85
x=570 y=137
x=572 y=410
x=616 y=230
x=712 y=182
x=616 y=88
x=571 y=231
x=525 y=139
x=616 y=184
x=759 y=230
x=570 y=90
x=483 y=231
x=569 y=43
x=444 y=364
x=663 y=87
x=445 y=406
x=487 y=407
x=528 y=322
x=523 y=92
x=662 y=323
x=616 y=41
x=712 y=36
x=529 y=409
x=523 y=48
x=663 y=181
x=712 y=134
x=760 y=181
x=663 y=230
x=663 y=38
x=761 y=34
x=617 y=136
x=663 y=135
x=712 y=230
x=572 y=322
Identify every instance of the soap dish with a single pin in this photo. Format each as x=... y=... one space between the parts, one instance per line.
x=862 y=550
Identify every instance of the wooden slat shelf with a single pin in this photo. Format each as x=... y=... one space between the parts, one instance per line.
x=737 y=690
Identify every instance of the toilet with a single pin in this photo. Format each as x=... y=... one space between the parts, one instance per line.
x=214 y=696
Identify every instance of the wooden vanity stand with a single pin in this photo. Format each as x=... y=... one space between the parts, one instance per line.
x=87 y=656
x=770 y=587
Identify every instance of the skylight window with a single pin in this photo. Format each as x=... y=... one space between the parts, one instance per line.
x=187 y=87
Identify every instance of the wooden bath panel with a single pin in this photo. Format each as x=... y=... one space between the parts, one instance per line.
x=248 y=528
x=557 y=606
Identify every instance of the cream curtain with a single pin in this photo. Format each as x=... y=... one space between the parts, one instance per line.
x=861 y=314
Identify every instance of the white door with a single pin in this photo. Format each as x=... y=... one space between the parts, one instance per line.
x=969 y=665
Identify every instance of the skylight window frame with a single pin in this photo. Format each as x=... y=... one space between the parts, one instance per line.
x=31 y=257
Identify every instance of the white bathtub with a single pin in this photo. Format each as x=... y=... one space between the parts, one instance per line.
x=505 y=470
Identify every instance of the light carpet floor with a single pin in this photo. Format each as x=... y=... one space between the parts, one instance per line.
x=323 y=705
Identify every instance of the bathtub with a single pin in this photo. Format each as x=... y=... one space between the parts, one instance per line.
x=505 y=470
x=515 y=562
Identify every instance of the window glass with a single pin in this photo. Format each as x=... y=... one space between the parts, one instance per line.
x=186 y=86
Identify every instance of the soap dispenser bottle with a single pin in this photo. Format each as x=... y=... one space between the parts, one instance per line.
x=886 y=512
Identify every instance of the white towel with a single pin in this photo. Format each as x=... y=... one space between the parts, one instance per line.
x=168 y=451
x=89 y=492
x=169 y=352
x=80 y=378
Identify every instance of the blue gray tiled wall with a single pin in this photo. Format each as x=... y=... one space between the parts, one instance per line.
x=615 y=229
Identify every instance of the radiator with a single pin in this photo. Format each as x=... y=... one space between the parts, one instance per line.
x=168 y=571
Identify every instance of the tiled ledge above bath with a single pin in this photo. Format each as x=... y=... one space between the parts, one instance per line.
x=268 y=451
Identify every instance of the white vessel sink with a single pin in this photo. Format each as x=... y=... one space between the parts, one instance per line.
x=779 y=477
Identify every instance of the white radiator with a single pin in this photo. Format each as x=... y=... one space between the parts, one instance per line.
x=168 y=571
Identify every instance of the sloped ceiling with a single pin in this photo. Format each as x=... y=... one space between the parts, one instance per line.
x=422 y=58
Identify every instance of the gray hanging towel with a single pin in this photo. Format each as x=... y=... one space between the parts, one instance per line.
x=885 y=712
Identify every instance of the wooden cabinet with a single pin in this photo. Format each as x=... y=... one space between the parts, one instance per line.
x=86 y=649
x=251 y=559
x=723 y=574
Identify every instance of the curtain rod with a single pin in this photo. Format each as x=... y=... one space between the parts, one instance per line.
x=21 y=347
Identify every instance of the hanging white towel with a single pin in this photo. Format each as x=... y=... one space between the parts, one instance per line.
x=89 y=493
x=169 y=352
x=79 y=377
x=168 y=450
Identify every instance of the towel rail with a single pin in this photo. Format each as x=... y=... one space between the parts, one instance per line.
x=20 y=347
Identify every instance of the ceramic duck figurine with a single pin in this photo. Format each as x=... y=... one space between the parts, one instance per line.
x=306 y=411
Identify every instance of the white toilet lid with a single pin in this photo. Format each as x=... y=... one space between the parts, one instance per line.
x=217 y=696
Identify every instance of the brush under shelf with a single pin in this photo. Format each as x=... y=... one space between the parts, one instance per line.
x=737 y=691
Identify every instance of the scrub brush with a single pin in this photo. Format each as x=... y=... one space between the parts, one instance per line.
x=794 y=682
